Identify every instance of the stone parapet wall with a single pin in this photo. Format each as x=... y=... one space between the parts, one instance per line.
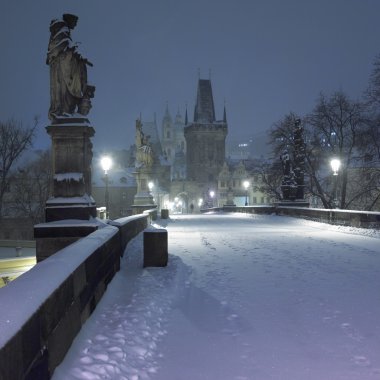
x=353 y=218
x=44 y=309
x=16 y=229
x=363 y=219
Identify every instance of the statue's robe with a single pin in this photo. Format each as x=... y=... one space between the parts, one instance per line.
x=68 y=72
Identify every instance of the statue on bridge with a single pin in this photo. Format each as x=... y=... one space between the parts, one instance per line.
x=69 y=91
x=288 y=185
x=144 y=152
x=292 y=186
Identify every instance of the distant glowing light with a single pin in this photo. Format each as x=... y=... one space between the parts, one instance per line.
x=106 y=163
x=335 y=165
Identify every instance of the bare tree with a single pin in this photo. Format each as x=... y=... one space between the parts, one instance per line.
x=337 y=123
x=32 y=187
x=271 y=174
x=372 y=93
x=14 y=140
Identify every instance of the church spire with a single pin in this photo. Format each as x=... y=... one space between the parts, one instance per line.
x=186 y=119
x=224 y=113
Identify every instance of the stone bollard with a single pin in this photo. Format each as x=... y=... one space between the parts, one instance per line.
x=155 y=247
x=164 y=213
x=18 y=251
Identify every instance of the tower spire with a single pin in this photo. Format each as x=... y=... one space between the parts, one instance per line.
x=204 y=111
x=186 y=119
x=224 y=112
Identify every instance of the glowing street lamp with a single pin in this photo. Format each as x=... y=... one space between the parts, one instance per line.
x=150 y=186
x=106 y=164
x=246 y=185
x=335 y=165
x=212 y=194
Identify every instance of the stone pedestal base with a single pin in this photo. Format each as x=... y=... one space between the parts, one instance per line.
x=82 y=208
x=54 y=236
x=72 y=156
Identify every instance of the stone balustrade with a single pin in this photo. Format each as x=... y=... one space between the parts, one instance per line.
x=44 y=309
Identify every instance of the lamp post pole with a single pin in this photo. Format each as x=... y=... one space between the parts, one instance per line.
x=107 y=197
x=246 y=185
x=212 y=193
x=335 y=165
x=106 y=163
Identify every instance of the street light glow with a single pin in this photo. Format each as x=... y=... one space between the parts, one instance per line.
x=212 y=193
x=335 y=165
x=106 y=163
x=246 y=185
x=150 y=185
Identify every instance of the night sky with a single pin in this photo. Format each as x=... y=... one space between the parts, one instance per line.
x=267 y=58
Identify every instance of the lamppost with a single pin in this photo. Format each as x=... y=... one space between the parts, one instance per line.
x=106 y=163
x=212 y=194
x=246 y=185
x=335 y=165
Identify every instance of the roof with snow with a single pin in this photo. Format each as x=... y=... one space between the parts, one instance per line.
x=117 y=177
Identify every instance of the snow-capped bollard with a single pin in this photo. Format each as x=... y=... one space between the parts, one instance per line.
x=155 y=247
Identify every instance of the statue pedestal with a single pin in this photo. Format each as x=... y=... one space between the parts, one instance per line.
x=143 y=199
x=71 y=203
x=72 y=156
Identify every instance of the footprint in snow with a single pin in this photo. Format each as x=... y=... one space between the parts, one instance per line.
x=361 y=361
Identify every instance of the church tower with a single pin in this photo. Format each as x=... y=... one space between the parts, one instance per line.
x=168 y=135
x=205 y=139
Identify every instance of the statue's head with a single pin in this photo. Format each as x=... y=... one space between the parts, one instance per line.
x=56 y=26
x=70 y=19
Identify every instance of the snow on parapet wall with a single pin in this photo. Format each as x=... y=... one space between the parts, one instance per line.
x=24 y=296
x=85 y=199
x=78 y=177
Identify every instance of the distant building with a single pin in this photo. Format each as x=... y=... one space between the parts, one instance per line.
x=232 y=177
x=121 y=189
x=190 y=163
x=205 y=139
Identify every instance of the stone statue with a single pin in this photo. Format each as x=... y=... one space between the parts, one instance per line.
x=299 y=158
x=288 y=185
x=69 y=91
x=144 y=152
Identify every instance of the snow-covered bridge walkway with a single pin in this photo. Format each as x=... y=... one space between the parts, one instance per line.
x=243 y=297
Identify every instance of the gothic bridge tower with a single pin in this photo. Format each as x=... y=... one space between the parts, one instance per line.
x=205 y=139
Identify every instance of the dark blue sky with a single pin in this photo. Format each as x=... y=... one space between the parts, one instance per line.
x=267 y=58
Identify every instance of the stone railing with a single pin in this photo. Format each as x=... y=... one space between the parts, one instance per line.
x=353 y=218
x=44 y=309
